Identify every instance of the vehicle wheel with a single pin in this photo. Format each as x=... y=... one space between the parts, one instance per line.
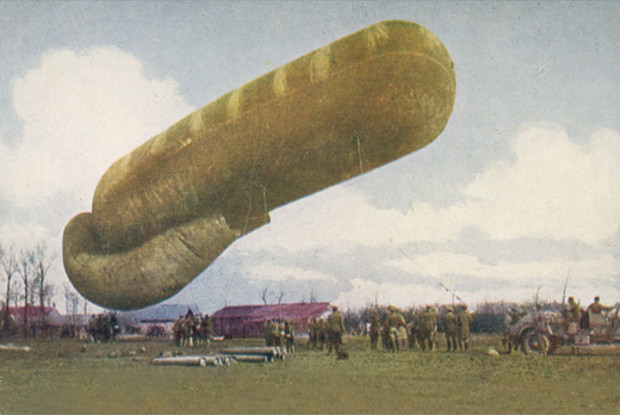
x=535 y=343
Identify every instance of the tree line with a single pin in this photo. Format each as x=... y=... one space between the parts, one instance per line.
x=24 y=274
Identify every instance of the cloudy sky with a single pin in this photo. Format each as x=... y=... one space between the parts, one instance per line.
x=519 y=194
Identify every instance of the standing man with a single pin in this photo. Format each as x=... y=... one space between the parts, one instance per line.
x=430 y=326
x=375 y=329
x=335 y=330
x=289 y=335
x=312 y=333
x=465 y=325
x=596 y=307
x=573 y=315
x=450 y=324
x=396 y=323
x=596 y=319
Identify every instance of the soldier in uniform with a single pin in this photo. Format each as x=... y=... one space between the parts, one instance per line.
x=312 y=334
x=572 y=316
x=396 y=324
x=268 y=333
x=465 y=323
x=385 y=334
x=321 y=331
x=275 y=332
x=596 y=320
x=176 y=330
x=450 y=324
x=335 y=330
x=93 y=328
x=596 y=307
x=114 y=326
x=206 y=328
x=289 y=335
x=428 y=327
x=417 y=328
x=375 y=329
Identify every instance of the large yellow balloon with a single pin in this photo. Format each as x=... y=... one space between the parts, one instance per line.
x=165 y=211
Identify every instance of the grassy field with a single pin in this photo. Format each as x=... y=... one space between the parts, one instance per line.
x=66 y=376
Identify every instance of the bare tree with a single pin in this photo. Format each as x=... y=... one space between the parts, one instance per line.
x=564 y=288
x=8 y=261
x=41 y=265
x=281 y=294
x=263 y=295
x=15 y=293
x=25 y=269
x=72 y=304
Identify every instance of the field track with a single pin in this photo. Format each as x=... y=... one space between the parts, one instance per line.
x=66 y=376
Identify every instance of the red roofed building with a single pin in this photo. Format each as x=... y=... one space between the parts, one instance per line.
x=249 y=320
x=50 y=315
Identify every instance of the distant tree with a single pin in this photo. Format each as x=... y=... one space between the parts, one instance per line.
x=263 y=295
x=72 y=304
x=353 y=322
x=281 y=294
x=8 y=261
x=41 y=265
x=25 y=270
x=15 y=293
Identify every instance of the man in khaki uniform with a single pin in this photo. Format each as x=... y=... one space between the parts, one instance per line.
x=429 y=326
x=450 y=324
x=596 y=319
x=375 y=329
x=396 y=323
x=573 y=315
x=465 y=323
x=596 y=307
x=335 y=330
x=289 y=336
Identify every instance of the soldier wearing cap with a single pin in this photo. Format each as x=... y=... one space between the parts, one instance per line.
x=596 y=319
x=572 y=315
x=335 y=330
x=450 y=324
x=289 y=336
x=375 y=329
x=396 y=323
x=465 y=323
x=429 y=326
x=596 y=307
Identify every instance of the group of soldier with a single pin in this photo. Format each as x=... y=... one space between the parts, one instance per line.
x=396 y=334
x=328 y=333
x=280 y=333
x=590 y=318
x=103 y=328
x=191 y=330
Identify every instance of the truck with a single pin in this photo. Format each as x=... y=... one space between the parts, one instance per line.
x=547 y=332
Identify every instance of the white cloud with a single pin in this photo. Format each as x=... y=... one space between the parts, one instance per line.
x=268 y=272
x=81 y=111
x=442 y=264
x=366 y=292
x=551 y=189
x=23 y=236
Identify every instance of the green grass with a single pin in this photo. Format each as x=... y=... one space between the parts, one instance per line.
x=61 y=377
